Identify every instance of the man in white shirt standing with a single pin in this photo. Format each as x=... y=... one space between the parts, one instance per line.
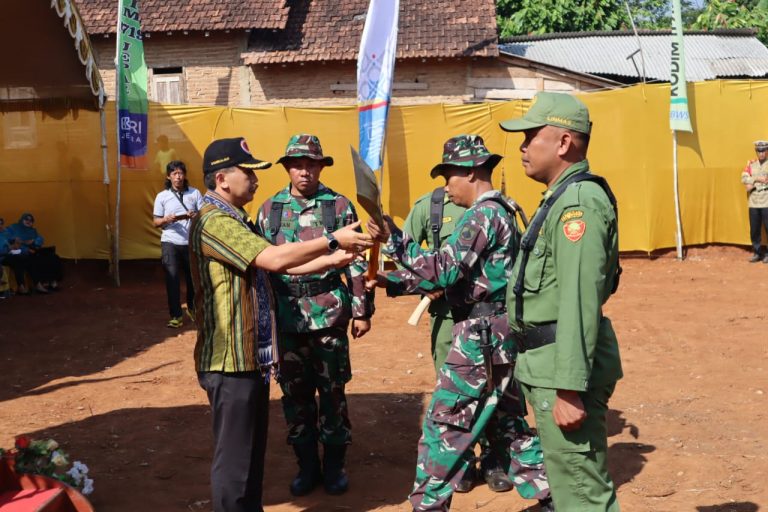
x=174 y=207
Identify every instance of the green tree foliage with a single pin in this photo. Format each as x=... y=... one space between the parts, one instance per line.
x=520 y=17
x=735 y=14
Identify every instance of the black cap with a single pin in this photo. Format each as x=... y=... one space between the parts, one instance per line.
x=223 y=153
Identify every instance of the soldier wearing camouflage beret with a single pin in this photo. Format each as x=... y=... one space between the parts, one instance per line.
x=475 y=393
x=313 y=313
x=568 y=266
x=755 y=179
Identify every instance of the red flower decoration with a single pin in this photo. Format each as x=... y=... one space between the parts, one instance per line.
x=22 y=442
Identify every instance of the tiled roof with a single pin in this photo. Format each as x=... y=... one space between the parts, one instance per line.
x=100 y=16
x=708 y=55
x=330 y=30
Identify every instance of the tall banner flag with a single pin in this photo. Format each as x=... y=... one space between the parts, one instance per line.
x=679 y=118
x=375 y=68
x=132 y=87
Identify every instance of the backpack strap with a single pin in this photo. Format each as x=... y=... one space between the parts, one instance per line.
x=328 y=207
x=436 y=207
x=275 y=216
x=532 y=234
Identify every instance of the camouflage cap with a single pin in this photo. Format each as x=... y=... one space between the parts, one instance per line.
x=554 y=109
x=465 y=151
x=305 y=146
x=761 y=145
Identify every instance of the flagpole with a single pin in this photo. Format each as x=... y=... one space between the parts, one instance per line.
x=679 y=231
x=679 y=117
x=105 y=164
x=117 y=153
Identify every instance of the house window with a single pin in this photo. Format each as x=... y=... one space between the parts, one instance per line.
x=19 y=130
x=168 y=85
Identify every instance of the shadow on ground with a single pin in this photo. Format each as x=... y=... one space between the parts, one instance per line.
x=51 y=345
x=136 y=455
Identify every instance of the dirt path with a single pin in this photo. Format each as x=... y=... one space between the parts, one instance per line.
x=95 y=368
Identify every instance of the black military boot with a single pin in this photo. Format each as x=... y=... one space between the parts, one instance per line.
x=335 y=477
x=309 y=475
x=546 y=505
x=467 y=482
x=497 y=479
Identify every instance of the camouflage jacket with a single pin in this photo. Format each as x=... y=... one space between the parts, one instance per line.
x=473 y=264
x=302 y=220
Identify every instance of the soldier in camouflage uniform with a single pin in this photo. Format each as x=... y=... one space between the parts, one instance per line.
x=313 y=313
x=755 y=179
x=475 y=392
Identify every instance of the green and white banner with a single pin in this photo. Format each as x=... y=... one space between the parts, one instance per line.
x=132 y=87
x=679 y=118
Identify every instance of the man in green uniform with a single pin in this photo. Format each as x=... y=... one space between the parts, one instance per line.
x=568 y=266
x=313 y=312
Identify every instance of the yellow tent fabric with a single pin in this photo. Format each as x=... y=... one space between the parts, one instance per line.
x=52 y=167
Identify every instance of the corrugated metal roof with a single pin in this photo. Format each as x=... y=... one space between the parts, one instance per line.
x=708 y=55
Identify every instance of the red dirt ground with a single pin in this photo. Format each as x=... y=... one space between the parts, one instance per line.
x=95 y=368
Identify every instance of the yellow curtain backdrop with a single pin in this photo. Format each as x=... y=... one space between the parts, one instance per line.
x=51 y=165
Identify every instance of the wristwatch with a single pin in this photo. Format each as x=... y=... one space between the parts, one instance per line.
x=333 y=244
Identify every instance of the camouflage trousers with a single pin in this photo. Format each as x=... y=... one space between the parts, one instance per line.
x=309 y=363
x=462 y=409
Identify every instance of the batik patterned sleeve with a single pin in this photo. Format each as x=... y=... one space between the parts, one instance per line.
x=362 y=302
x=228 y=241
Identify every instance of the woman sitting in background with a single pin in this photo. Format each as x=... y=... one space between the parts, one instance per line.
x=43 y=265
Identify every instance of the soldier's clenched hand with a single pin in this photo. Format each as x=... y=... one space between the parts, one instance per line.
x=568 y=411
x=341 y=258
x=379 y=233
x=360 y=326
x=352 y=240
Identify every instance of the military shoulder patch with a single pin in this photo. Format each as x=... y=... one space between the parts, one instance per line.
x=573 y=214
x=467 y=233
x=574 y=230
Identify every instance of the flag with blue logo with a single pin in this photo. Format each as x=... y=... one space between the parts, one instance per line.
x=679 y=117
x=375 y=69
x=131 y=80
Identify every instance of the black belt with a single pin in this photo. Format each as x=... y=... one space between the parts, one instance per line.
x=536 y=337
x=478 y=310
x=308 y=288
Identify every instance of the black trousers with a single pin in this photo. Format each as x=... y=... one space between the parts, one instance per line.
x=758 y=217
x=43 y=266
x=175 y=259
x=240 y=412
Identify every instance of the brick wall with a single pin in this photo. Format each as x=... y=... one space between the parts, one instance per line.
x=212 y=69
x=213 y=74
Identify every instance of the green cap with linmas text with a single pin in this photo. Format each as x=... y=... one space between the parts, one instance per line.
x=554 y=109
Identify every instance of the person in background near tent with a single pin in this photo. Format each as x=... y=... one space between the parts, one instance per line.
x=235 y=350
x=5 y=249
x=755 y=179
x=313 y=315
x=42 y=263
x=568 y=266
x=475 y=392
x=174 y=208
